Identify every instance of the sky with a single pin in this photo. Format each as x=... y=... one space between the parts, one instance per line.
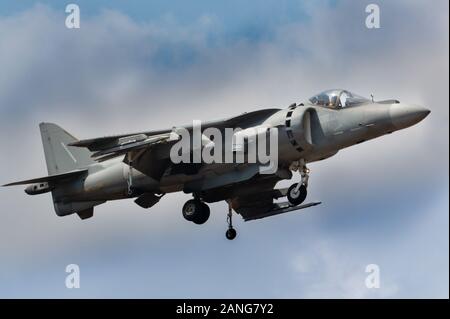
x=141 y=65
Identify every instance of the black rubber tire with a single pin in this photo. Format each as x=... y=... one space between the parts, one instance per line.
x=231 y=234
x=297 y=199
x=203 y=215
x=191 y=209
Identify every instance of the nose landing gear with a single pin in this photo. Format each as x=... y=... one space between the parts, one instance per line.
x=297 y=192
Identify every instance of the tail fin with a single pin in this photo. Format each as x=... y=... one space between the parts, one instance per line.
x=60 y=157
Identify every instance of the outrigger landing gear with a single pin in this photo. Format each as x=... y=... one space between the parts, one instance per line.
x=297 y=192
x=231 y=232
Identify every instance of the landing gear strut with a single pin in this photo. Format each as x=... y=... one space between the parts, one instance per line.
x=231 y=232
x=297 y=192
x=130 y=189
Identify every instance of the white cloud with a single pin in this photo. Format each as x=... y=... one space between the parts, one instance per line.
x=412 y=265
x=329 y=274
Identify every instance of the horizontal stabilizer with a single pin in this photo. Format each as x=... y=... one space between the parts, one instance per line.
x=281 y=208
x=52 y=179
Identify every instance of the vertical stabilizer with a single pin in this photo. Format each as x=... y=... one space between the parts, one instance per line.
x=60 y=157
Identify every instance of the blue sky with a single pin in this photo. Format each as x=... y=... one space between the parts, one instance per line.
x=139 y=65
x=231 y=12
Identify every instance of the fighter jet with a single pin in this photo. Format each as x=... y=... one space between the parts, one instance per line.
x=85 y=173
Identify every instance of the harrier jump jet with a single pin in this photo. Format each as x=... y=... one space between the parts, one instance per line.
x=87 y=173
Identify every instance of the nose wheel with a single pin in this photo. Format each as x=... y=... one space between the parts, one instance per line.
x=297 y=192
x=231 y=232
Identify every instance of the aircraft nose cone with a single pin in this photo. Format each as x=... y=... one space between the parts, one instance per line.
x=405 y=115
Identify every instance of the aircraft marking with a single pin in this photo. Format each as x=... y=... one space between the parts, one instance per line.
x=68 y=152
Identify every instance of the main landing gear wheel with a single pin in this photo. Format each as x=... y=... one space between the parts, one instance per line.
x=203 y=216
x=297 y=195
x=196 y=211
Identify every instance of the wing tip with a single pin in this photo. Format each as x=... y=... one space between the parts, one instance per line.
x=12 y=184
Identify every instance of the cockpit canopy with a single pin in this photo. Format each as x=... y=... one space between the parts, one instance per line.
x=337 y=99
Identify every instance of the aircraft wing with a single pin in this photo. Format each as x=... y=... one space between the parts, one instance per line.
x=109 y=142
x=149 y=151
x=133 y=143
